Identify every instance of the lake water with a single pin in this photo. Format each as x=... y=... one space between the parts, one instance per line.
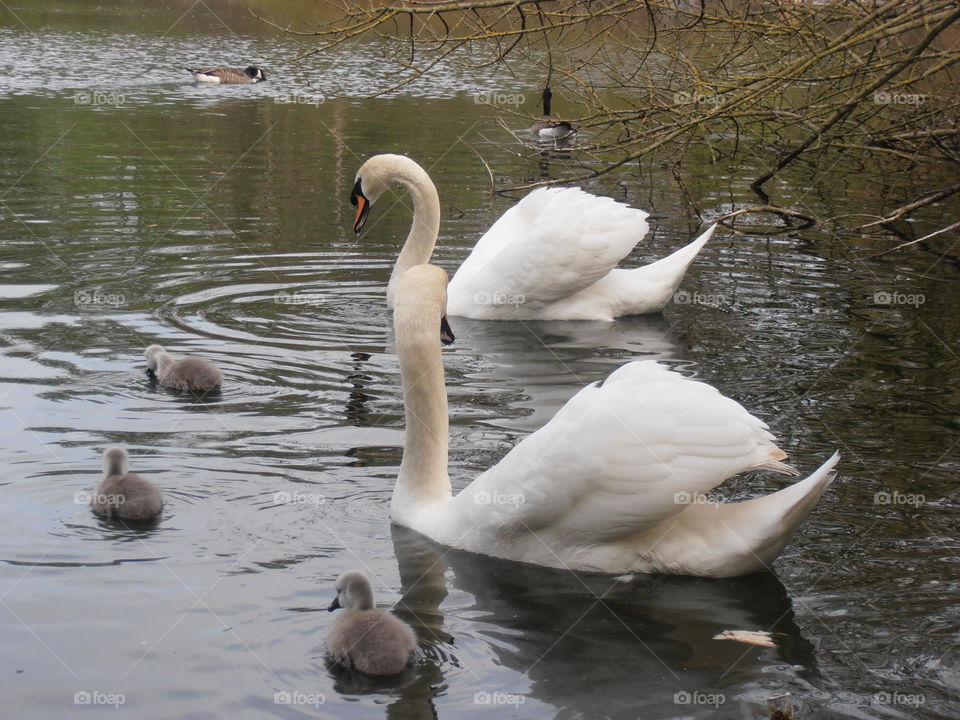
x=137 y=207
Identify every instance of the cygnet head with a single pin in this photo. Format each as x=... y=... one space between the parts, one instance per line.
x=116 y=461
x=354 y=592
x=420 y=296
x=155 y=355
x=376 y=175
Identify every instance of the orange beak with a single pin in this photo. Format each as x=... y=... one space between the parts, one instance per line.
x=358 y=199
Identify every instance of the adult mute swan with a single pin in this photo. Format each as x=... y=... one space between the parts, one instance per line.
x=365 y=639
x=613 y=483
x=552 y=256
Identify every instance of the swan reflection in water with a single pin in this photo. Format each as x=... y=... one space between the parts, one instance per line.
x=585 y=645
x=555 y=359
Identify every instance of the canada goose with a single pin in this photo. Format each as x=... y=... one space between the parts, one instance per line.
x=546 y=127
x=193 y=374
x=122 y=494
x=228 y=75
x=613 y=483
x=552 y=256
x=363 y=638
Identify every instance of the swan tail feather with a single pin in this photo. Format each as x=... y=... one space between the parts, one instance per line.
x=649 y=288
x=772 y=459
x=730 y=539
x=780 y=467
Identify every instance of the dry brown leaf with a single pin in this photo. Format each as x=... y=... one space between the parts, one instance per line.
x=751 y=637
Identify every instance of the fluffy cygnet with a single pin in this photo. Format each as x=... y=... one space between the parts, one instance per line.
x=363 y=638
x=191 y=373
x=122 y=494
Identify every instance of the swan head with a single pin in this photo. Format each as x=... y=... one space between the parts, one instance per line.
x=421 y=294
x=354 y=592
x=376 y=175
x=116 y=461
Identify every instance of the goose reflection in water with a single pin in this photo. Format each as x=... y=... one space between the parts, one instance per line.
x=588 y=645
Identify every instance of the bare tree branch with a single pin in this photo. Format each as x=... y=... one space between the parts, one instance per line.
x=779 y=81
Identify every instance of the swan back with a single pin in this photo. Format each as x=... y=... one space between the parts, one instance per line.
x=364 y=638
x=552 y=244
x=615 y=483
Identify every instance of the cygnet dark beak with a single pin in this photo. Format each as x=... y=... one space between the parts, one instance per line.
x=446 y=334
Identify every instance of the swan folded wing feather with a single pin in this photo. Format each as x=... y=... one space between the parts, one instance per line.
x=729 y=539
x=552 y=244
x=633 y=291
x=510 y=225
x=620 y=457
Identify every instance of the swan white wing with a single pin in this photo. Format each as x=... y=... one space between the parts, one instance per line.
x=620 y=457
x=553 y=243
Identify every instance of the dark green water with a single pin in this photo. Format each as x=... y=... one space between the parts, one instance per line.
x=136 y=207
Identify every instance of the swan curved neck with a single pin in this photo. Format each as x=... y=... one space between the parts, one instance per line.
x=423 y=471
x=426 y=222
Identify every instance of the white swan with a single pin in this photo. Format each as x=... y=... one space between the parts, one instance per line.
x=613 y=483
x=552 y=256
